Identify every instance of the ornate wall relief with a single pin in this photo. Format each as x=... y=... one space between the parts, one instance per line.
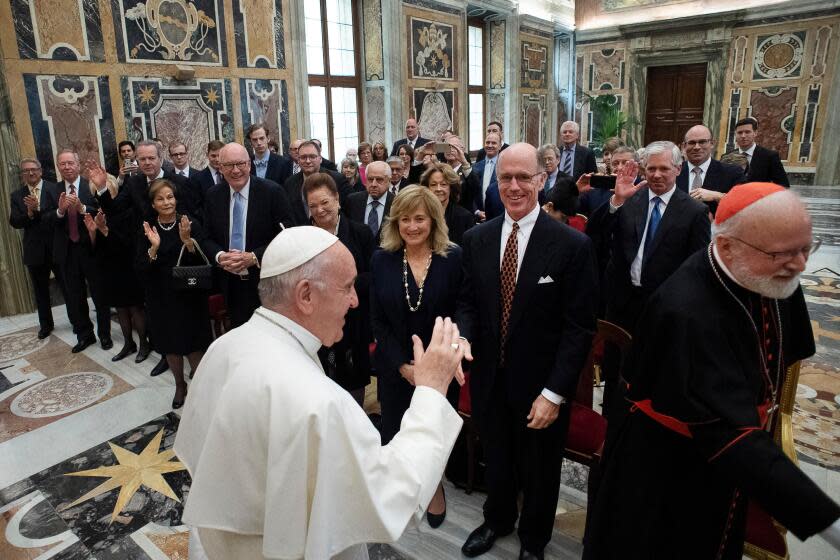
x=70 y=112
x=192 y=113
x=372 y=36
x=778 y=56
x=534 y=65
x=265 y=101
x=58 y=30
x=533 y=119
x=606 y=71
x=434 y=110
x=498 y=30
x=258 y=29
x=375 y=113
x=432 y=49
x=169 y=31
x=496 y=107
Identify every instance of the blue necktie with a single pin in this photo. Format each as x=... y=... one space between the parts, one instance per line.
x=653 y=225
x=237 y=233
x=567 y=161
x=373 y=217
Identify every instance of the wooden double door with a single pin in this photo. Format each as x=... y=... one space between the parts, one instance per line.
x=675 y=99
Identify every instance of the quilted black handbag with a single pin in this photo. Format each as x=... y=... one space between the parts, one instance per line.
x=198 y=277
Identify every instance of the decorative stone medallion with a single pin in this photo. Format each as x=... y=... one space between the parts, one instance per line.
x=62 y=394
x=779 y=56
x=19 y=344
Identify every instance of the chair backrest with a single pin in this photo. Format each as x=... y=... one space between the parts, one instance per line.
x=607 y=333
x=578 y=222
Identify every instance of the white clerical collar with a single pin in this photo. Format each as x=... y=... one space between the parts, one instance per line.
x=723 y=267
x=309 y=341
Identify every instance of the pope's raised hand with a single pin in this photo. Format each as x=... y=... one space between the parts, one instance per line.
x=437 y=364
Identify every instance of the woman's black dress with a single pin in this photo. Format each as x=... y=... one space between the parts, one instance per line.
x=179 y=319
x=115 y=255
x=393 y=324
x=458 y=220
x=347 y=362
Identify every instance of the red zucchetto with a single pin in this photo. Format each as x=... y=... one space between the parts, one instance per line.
x=741 y=196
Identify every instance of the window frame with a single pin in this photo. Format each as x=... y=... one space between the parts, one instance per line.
x=328 y=81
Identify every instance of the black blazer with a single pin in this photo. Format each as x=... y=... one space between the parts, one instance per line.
x=552 y=319
x=134 y=193
x=204 y=180
x=389 y=313
x=37 y=230
x=278 y=170
x=458 y=220
x=61 y=233
x=569 y=197
x=420 y=141
x=766 y=165
x=328 y=164
x=356 y=206
x=683 y=230
x=293 y=187
x=720 y=177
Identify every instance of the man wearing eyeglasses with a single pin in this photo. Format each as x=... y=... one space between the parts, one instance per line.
x=31 y=206
x=309 y=159
x=707 y=371
x=527 y=314
x=703 y=177
x=243 y=214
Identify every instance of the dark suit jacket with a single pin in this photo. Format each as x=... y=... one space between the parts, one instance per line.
x=37 y=231
x=584 y=161
x=458 y=220
x=293 y=187
x=720 y=177
x=683 y=230
x=61 y=233
x=766 y=165
x=356 y=207
x=569 y=199
x=278 y=170
x=551 y=322
x=204 y=179
x=134 y=193
x=328 y=164
x=482 y=154
x=472 y=199
x=420 y=141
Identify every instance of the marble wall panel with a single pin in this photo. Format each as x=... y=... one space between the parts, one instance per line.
x=601 y=69
x=606 y=71
x=434 y=110
x=498 y=58
x=778 y=56
x=170 y=31
x=71 y=112
x=777 y=107
x=433 y=52
x=534 y=65
x=496 y=107
x=266 y=102
x=58 y=30
x=192 y=113
x=533 y=119
x=375 y=114
x=259 y=33
x=372 y=25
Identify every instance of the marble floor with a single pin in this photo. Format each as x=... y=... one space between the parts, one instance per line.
x=78 y=433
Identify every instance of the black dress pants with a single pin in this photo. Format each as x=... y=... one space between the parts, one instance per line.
x=242 y=298
x=521 y=458
x=80 y=274
x=40 y=275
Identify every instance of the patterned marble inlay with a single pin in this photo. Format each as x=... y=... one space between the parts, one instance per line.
x=62 y=394
x=18 y=345
x=432 y=49
x=534 y=65
x=779 y=56
x=777 y=109
x=372 y=23
x=607 y=69
x=375 y=114
x=59 y=29
x=497 y=54
x=435 y=110
x=265 y=101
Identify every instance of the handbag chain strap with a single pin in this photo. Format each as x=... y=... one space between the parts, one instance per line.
x=200 y=252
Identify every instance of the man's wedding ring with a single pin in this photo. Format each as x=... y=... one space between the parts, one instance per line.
x=455 y=345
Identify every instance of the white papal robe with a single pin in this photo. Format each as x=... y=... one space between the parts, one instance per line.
x=285 y=464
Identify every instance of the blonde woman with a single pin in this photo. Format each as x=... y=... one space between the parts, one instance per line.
x=415 y=277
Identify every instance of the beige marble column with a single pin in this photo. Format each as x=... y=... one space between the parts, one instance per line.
x=15 y=292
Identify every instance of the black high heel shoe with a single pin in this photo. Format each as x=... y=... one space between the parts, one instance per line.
x=142 y=354
x=176 y=404
x=436 y=519
x=126 y=350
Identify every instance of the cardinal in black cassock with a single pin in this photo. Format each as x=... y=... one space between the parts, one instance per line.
x=708 y=361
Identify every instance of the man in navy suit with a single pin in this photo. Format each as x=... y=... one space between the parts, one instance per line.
x=413 y=137
x=210 y=175
x=527 y=313
x=492 y=126
x=575 y=160
x=763 y=164
x=30 y=205
x=482 y=189
x=73 y=252
x=266 y=164
x=703 y=177
x=242 y=217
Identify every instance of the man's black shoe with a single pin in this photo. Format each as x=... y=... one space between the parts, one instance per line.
x=480 y=541
x=106 y=343
x=160 y=367
x=44 y=333
x=525 y=555
x=84 y=343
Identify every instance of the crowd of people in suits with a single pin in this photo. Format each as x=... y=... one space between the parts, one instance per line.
x=409 y=219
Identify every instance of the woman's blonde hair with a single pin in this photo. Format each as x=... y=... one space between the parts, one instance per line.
x=407 y=201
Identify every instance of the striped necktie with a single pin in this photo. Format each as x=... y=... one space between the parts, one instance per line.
x=567 y=161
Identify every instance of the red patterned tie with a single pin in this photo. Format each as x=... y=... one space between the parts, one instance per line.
x=72 y=219
x=508 y=285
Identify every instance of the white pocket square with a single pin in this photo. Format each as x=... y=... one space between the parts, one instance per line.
x=546 y=280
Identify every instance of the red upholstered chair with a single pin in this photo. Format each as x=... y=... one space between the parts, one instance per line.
x=766 y=539
x=578 y=222
x=587 y=428
x=218 y=314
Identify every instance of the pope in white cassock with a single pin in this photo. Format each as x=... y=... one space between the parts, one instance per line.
x=284 y=463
